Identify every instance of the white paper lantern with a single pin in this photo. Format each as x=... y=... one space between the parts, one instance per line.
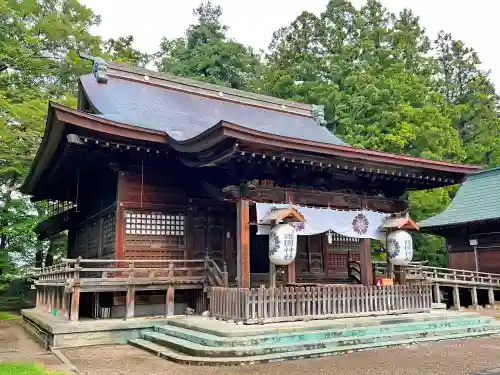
x=282 y=244
x=400 y=247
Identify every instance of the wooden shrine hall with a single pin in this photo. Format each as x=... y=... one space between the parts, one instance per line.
x=156 y=179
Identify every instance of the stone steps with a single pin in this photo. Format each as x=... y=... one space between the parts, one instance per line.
x=208 y=339
x=201 y=344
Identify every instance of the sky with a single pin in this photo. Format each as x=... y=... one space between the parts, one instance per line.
x=253 y=22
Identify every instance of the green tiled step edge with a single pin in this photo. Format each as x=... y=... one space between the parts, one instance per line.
x=329 y=324
x=202 y=338
x=194 y=349
x=178 y=357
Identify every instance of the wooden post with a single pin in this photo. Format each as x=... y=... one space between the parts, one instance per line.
x=52 y=300
x=456 y=297
x=437 y=293
x=75 y=296
x=64 y=303
x=290 y=273
x=473 y=294
x=131 y=291
x=400 y=274
x=243 y=250
x=272 y=275
x=170 y=308
x=130 y=301
x=491 y=297
x=365 y=255
x=58 y=300
x=38 y=298
x=75 y=303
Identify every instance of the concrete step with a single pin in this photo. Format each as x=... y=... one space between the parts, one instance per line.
x=208 y=339
x=179 y=357
x=195 y=349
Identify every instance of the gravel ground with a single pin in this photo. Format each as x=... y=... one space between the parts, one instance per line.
x=445 y=358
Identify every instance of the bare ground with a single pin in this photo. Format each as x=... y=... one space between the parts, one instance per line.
x=445 y=358
x=16 y=346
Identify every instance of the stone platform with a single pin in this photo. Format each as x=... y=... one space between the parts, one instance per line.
x=55 y=332
x=196 y=340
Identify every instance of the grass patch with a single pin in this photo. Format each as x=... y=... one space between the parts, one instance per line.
x=24 y=369
x=4 y=315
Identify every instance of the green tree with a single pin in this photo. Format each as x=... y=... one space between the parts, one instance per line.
x=39 y=45
x=207 y=54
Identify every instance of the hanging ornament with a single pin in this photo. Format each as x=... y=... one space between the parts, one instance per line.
x=330 y=237
x=282 y=244
x=399 y=247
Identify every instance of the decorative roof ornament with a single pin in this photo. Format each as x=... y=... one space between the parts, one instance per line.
x=99 y=67
x=318 y=114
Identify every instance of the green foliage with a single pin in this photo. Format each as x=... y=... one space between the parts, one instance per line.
x=385 y=84
x=39 y=44
x=207 y=54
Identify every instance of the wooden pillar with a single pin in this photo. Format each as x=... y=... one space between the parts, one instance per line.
x=170 y=300
x=272 y=275
x=456 y=297
x=365 y=255
x=75 y=304
x=473 y=294
x=52 y=300
x=130 y=301
x=58 y=300
x=290 y=273
x=243 y=250
x=64 y=303
x=38 y=298
x=437 y=293
x=400 y=274
x=491 y=297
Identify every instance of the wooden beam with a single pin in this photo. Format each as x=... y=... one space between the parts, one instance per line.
x=243 y=250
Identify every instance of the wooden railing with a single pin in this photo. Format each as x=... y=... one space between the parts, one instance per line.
x=452 y=276
x=263 y=305
x=111 y=271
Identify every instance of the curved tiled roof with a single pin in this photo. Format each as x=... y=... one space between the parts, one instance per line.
x=185 y=115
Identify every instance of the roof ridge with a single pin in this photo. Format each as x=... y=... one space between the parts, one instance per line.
x=483 y=173
x=194 y=86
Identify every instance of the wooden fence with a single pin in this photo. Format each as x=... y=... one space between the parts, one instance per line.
x=263 y=305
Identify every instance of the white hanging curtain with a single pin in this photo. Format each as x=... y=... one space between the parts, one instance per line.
x=356 y=223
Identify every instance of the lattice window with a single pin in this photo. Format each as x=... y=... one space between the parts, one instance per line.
x=340 y=242
x=156 y=224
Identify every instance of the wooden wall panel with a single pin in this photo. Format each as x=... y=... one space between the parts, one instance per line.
x=489 y=261
x=461 y=261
